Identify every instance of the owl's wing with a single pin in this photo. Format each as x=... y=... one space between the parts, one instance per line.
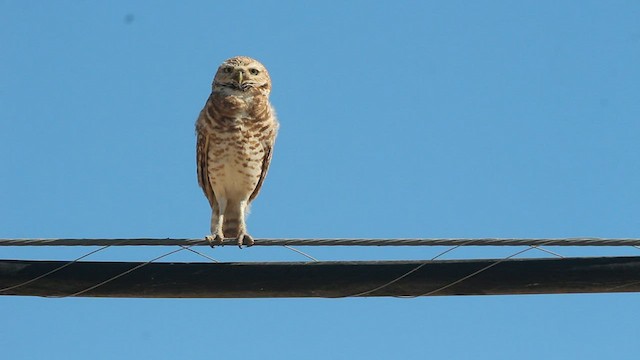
x=266 y=161
x=202 y=151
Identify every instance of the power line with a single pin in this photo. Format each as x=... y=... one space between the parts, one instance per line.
x=380 y=289
x=329 y=279
x=577 y=241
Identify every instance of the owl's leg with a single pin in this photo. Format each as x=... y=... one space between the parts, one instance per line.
x=217 y=235
x=243 y=237
x=234 y=223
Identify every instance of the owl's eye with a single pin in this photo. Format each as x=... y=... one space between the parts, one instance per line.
x=254 y=71
x=227 y=70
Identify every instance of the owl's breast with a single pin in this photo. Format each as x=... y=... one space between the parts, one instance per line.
x=235 y=161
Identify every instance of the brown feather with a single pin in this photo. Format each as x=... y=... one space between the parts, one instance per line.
x=265 y=167
x=203 y=173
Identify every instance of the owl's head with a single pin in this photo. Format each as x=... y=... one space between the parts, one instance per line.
x=242 y=75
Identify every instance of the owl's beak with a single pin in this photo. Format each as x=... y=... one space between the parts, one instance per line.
x=240 y=78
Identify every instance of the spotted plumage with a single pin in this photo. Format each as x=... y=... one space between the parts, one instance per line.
x=235 y=131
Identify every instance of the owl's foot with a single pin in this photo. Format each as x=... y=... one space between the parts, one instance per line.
x=214 y=240
x=245 y=239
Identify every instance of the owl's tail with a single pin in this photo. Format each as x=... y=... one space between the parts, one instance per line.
x=232 y=221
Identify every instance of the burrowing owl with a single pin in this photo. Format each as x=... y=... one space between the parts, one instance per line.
x=236 y=131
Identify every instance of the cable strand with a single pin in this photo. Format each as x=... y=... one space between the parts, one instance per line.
x=577 y=241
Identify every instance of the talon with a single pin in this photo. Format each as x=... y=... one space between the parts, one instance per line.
x=214 y=240
x=249 y=240
x=245 y=239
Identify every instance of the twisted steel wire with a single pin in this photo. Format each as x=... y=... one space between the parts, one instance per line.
x=577 y=241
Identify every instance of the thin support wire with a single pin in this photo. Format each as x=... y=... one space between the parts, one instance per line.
x=450 y=284
x=404 y=275
x=188 y=248
x=477 y=272
x=124 y=273
x=302 y=253
x=548 y=251
x=54 y=270
x=182 y=247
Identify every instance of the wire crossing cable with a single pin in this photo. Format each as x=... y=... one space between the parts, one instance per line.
x=577 y=241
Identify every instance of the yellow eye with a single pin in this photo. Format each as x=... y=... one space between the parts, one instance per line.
x=227 y=70
x=254 y=71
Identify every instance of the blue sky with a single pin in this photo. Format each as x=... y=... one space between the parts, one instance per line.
x=398 y=119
